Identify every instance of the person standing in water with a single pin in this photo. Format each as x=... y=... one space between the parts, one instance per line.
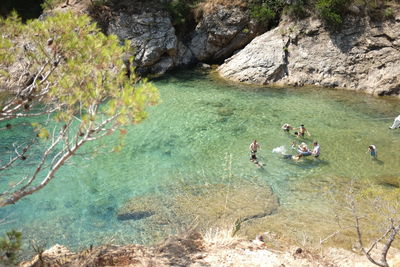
x=372 y=151
x=303 y=131
x=316 y=150
x=254 y=146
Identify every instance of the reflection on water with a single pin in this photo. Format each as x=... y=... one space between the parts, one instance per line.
x=196 y=138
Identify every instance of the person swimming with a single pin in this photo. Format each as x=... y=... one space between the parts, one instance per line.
x=303 y=150
x=286 y=127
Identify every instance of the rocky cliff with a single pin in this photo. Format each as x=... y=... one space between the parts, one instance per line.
x=219 y=30
x=364 y=55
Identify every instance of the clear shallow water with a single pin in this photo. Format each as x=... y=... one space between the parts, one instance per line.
x=202 y=125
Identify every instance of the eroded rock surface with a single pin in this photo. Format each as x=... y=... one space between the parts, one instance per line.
x=219 y=32
x=153 y=38
x=222 y=31
x=363 y=56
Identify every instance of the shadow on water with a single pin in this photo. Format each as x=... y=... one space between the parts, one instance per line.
x=378 y=161
x=307 y=163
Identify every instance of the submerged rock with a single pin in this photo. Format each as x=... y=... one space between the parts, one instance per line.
x=221 y=204
x=390 y=181
x=134 y=215
x=138 y=208
x=209 y=205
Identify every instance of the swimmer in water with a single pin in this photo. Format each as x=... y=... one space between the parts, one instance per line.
x=302 y=131
x=303 y=150
x=286 y=127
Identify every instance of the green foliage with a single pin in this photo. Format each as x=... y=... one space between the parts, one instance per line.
x=10 y=245
x=179 y=9
x=388 y=13
x=266 y=11
x=332 y=11
x=298 y=10
x=84 y=78
x=86 y=66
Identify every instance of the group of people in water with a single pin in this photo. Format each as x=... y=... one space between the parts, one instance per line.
x=302 y=149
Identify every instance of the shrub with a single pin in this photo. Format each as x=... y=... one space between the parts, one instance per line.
x=179 y=9
x=332 y=11
x=297 y=10
x=388 y=13
x=266 y=11
x=9 y=247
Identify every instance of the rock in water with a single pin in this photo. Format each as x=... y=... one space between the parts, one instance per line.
x=134 y=215
x=364 y=55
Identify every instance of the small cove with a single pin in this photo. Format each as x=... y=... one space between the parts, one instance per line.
x=198 y=136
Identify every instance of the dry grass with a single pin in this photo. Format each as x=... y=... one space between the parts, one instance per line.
x=220 y=238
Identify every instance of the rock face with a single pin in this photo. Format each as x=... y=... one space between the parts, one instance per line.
x=219 y=32
x=363 y=56
x=222 y=31
x=263 y=61
x=153 y=38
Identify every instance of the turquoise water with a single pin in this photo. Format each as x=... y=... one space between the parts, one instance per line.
x=202 y=125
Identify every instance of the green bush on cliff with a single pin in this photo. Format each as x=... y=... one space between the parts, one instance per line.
x=178 y=10
x=297 y=10
x=10 y=245
x=332 y=11
x=266 y=12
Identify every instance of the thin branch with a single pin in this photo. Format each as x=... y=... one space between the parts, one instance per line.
x=18 y=156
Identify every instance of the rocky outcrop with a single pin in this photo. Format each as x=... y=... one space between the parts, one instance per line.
x=363 y=56
x=222 y=31
x=261 y=62
x=194 y=250
x=153 y=38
